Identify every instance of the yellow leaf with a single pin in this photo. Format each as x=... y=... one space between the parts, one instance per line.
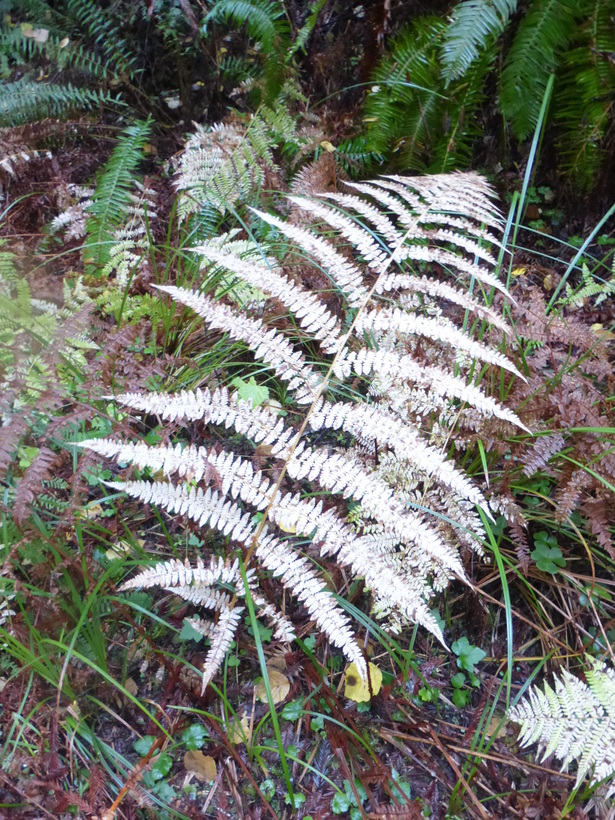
x=64 y=42
x=602 y=333
x=279 y=683
x=357 y=690
x=238 y=731
x=328 y=146
x=518 y=272
x=203 y=766
x=548 y=282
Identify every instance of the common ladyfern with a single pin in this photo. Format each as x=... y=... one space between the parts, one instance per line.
x=377 y=356
x=575 y=721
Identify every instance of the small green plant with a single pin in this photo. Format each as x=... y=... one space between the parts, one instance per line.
x=546 y=553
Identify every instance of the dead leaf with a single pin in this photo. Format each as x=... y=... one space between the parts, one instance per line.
x=131 y=687
x=279 y=683
x=39 y=35
x=358 y=690
x=203 y=766
x=238 y=731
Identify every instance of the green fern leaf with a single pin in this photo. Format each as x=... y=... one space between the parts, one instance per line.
x=112 y=197
x=473 y=25
x=535 y=53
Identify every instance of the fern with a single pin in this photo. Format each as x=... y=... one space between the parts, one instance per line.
x=267 y=23
x=226 y=165
x=584 y=94
x=402 y=554
x=474 y=23
x=105 y=35
x=113 y=197
x=539 y=42
x=413 y=116
x=24 y=101
x=575 y=721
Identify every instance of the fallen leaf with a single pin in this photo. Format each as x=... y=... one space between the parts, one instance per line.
x=39 y=35
x=238 y=731
x=131 y=687
x=358 y=690
x=328 y=146
x=279 y=683
x=203 y=766
x=518 y=272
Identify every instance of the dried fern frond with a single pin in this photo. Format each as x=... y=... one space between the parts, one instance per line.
x=396 y=235
x=575 y=721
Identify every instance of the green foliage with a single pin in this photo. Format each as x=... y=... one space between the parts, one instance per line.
x=584 y=94
x=114 y=195
x=24 y=101
x=432 y=127
x=474 y=24
x=106 y=36
x=547 y=554
x=267 y=23
x=540 y=40
x=44 y=46
x=412 y=116
x=468 y=655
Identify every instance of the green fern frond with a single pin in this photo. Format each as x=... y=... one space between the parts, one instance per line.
x=113 y=195
x=411 y=116
x=535 y=53
x=64 y=55
x=107 y=37
x=575 y=721
x=25 y=101
x=473 y=25
x=584 y=95
x=267 y=23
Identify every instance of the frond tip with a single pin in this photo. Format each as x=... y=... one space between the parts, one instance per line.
x=574 y=721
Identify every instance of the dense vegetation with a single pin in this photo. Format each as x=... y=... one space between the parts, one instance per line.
x=366 y=447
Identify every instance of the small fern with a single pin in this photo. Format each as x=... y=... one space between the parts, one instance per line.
x=402 y=357
x=575 y=721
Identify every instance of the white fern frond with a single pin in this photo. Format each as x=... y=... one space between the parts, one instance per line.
x=299 y=577
x=221 y=637
x=283 y=629
x=441 y=290
x=312 y=314
x=464 y=193
x=372 y=421
x=408 y=217
x=267 y=344
x=387 y=536
x=574 y=721
x=344 y=273
x=402 y=321
x=361 y=239
x=203 y=507
x=380 y=221
x=389 y=363
x=174 y=573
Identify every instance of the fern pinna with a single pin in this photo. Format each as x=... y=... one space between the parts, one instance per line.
x=392 y=373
